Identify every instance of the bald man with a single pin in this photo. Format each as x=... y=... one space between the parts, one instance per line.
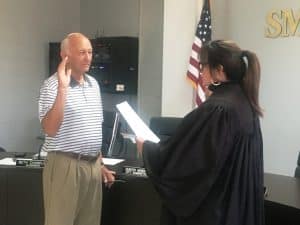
x=70 y=111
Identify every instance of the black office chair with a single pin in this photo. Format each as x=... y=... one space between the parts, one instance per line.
x=164 y=127
x=2 y=149
x=110 y=133
x=297 y=171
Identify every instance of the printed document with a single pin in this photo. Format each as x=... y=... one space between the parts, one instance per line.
x=137 y=125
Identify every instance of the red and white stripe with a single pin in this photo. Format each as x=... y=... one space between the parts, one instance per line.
x=193 y=73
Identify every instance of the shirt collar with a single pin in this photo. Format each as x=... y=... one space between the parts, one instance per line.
x=74 y=83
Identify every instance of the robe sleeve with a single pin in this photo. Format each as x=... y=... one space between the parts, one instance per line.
x=184 y=168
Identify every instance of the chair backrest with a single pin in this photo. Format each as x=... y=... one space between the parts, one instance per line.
x=164 y=127
x=297 y=171
x=110 y=132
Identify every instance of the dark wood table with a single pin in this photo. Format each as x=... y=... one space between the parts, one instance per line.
x=131 y=201
x=282 y=203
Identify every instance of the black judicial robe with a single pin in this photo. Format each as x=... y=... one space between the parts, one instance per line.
x=210 y=172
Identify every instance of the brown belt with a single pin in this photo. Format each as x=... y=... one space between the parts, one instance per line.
x=78 y=156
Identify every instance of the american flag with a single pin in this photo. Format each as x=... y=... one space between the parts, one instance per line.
x=203 y=35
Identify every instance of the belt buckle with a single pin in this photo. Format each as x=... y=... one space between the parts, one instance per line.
x=88 y=158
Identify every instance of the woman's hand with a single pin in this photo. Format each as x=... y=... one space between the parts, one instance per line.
x=139 y=144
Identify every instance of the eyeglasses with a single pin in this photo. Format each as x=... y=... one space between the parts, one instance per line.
x=201 y=66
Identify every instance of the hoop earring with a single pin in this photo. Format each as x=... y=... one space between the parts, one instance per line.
x=216 y=83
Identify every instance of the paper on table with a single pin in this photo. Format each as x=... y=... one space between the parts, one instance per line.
x=136 y=123
x=111 y=162
x=8 y=162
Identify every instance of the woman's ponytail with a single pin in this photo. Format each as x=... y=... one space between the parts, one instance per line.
x=251 y=79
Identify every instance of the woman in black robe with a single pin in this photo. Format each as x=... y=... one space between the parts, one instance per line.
x=210 y=172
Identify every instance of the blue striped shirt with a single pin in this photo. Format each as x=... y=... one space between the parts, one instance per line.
x=81 y=128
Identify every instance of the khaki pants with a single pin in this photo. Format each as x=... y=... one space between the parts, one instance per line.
x=72 y=191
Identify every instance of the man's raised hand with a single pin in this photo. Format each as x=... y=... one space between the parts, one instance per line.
x=64 y=73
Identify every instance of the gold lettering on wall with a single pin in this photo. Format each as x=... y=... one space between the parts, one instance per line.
x=282 y=23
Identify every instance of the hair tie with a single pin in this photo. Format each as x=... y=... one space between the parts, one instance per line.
x=244 y=58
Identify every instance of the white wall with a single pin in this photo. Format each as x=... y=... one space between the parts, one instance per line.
x=109 y=18
x=180 y=19
x=150 y=58
x=26 y=28
x=220 y=11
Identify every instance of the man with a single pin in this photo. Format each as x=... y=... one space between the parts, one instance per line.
x=70 y=112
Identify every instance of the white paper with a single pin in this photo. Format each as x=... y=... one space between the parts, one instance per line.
x=111 y=162
x=136 y=123
x=7 y=162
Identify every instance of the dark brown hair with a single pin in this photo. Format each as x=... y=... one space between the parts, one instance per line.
x=239 y=65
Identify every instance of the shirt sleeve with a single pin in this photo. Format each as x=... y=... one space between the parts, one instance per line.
x=46 y=99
